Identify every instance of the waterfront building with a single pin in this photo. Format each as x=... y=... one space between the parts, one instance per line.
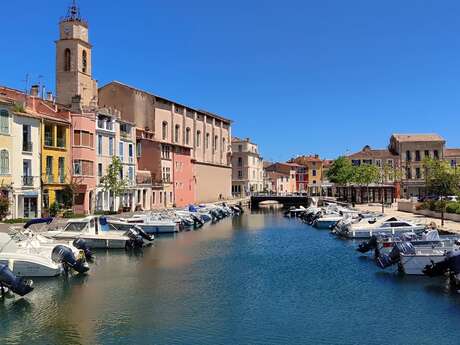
x=84 y=159
x=280 y=178
x=247 y=168
x=313 y=173
x=187 y=139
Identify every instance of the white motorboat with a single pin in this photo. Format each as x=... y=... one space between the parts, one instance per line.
x=148 y=223
x=97 y=233
x=415 y=263
x=31 y=259
x=365 y=227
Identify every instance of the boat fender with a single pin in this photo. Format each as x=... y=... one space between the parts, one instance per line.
x=64 y=255
x=18 y=285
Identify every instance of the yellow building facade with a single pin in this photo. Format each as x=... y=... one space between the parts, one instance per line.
x=55 y=160
x=6 y=146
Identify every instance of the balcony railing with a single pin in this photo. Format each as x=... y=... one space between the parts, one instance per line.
x=27 y=147
x=143 y=179
x=48 y=140
x=61 y=142
x=28 y=181
x=49 y=178
x=105 y=125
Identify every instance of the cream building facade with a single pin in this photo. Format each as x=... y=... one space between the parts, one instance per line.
x=247 y=168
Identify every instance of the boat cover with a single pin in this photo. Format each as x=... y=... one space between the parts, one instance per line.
x=431 y=235
x=192 y=208
x=38 y=221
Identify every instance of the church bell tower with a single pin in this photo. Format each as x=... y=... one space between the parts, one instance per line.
x=73 y=61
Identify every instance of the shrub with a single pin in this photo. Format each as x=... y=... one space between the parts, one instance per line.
x=70 y=214
x=4 y=206
x=16 y=221
x=54 y=209
x=105 y=213
x=452 y=207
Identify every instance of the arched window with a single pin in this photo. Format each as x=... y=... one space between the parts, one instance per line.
x=176 y=133
x=67 y=55
x=84 y=60
x=216 y=141
x=4 y=121
x=4 y=162
x=187 y=136
x=165 y=130
x=198 y=138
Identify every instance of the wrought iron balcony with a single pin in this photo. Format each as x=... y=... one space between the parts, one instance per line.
x=27 y=146
x=28 y=181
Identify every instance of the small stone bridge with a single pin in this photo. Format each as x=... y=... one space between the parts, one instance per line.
x=287 y=201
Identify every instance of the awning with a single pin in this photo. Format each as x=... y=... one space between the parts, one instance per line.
x=31 y=193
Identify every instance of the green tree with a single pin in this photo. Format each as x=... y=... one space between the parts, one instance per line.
x=441 y=180
x=112 y=182
x=365 y=175
x=341 y=171
x=4 y=206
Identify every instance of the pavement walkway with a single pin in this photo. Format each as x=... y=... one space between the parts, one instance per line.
x=449 y=225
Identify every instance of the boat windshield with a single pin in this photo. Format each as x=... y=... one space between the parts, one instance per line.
x=76 y=226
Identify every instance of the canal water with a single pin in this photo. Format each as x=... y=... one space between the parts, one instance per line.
x=257 y=279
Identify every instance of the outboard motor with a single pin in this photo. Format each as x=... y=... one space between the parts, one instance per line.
x=81 y=244
x=64 y=255
x=387 y=260
x=451 y=264
x=197 y=221
x=135 y=239
x=371 y=244
x=18 y=285
x=143 y=234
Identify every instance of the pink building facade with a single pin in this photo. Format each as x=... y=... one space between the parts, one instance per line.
x=84 y=161
x=184 y=181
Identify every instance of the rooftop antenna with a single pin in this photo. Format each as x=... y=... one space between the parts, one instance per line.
x=26 y=90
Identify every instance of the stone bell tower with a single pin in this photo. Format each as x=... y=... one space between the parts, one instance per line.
x=73 y=61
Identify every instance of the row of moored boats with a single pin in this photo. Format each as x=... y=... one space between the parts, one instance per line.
x=411 y=247
x=46 y=247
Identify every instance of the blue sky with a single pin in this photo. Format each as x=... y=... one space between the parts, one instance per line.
x=298 y=77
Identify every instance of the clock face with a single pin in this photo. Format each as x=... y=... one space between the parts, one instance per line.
x=67 y=30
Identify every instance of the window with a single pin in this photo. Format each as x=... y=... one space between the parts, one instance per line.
x=49 y=135
x=408 y=173
x=417 y=173
x=417 y=156
x=120 y=151
x=61 y=169
x=83 y=138
x=110 y=146
x=207 y=141
x=131 y=153
x=4 y=162
x=82 y=167
x=60 y=130
x=365 y=161
x=99 y=144
x=187 y=136
x=240 y=148
x=453 y=163
x=390 y=162
x=313 y=172
x=67 y=56
x=240 y=161
x=215 y=143
x=240 y=174
x=356 y=162
x=176 y=133
x=26 y=140
x=165 y=130
x=84 y=61
x=436 y=154
x=131 y=174
x=165 y=151
x=77 y=167
x=427 y=153
x=49 y=168
x=4 y=121
x=198 y=138
x=99 y=170
x=408 y=156
x=223 y=144
x=139 y=149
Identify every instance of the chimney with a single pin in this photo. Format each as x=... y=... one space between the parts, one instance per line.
x=34 y=90
x=43 y=92
x=49 y=96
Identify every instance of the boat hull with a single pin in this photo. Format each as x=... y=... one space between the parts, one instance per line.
x=325 y=224
x=414 y=264
x=28 y=267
